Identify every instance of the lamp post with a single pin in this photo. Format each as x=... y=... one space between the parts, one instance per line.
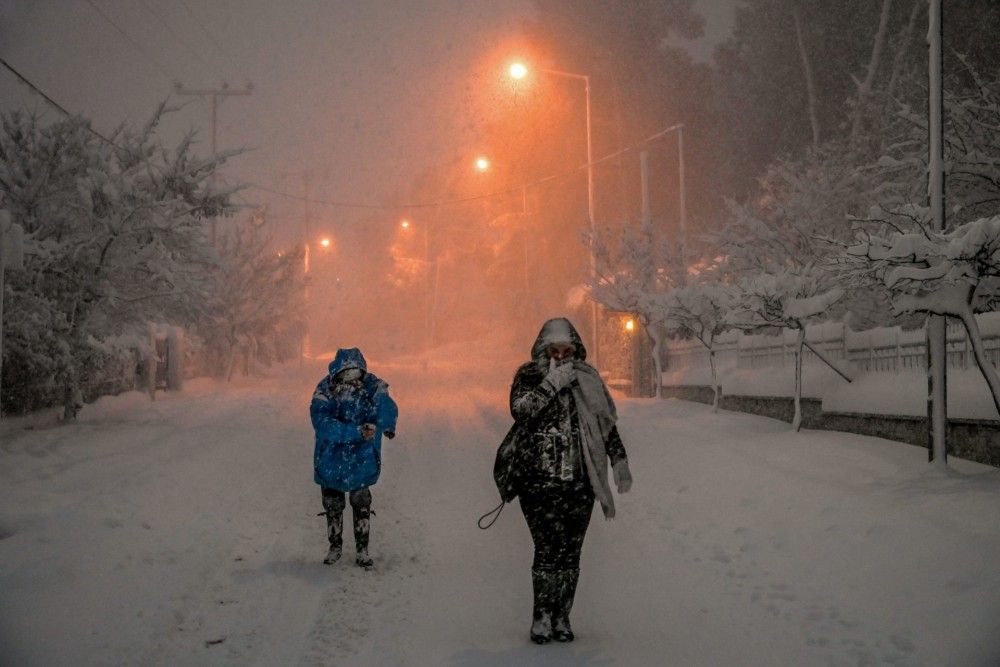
x=519 y=71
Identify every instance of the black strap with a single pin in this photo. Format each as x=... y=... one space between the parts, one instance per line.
x=498 y=509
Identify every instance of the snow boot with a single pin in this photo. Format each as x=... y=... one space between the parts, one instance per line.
x=333 y=555
x=542 y=584
x=362 y=526
x=364 y=560
x=566 y=581
x=334 y=532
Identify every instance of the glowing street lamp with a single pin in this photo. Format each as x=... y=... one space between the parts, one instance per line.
x=630 y=325
x=482 y=164
x=519 y=70
x=325 y=242
x=404 y=223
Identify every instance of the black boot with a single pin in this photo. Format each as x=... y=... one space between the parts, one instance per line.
x=543 y=585
x=362 y=526
x=565 y=591
x=335 y=534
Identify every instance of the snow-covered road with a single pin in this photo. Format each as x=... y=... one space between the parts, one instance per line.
x=184 y=532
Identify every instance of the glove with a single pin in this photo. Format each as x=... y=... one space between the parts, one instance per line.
x=623 y=476
x=389 y=434
x=368 y=431
x=560 y=376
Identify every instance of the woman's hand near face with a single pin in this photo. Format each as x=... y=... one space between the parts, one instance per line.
x=623 y=476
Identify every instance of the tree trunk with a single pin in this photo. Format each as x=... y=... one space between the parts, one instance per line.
x=715 y=378
x=865 y=89
x=654 y=337
x=988 y=370
x=808 y=73
x=799 y=345
x=230 y=360
x=904 y=45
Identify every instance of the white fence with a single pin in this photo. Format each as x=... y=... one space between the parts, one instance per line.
x=883 y=350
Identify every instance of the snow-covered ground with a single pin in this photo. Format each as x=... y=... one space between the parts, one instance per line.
x=184 y=532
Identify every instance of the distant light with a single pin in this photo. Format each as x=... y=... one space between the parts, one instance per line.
x=325 y=243
x=629 y=324
x=518 y=70
x=482 y=164
x=405 y=224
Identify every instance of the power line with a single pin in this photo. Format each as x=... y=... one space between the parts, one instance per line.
x=489 y=195
x=52 y=102
x=135 y=44
x=166 y=26
x=211 y=39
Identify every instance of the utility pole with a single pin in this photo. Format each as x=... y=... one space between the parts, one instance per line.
x=937 y=381
x=682 y=194
x=307 y=247
x=215 y=94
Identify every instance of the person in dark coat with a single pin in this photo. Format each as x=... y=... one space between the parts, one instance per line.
x=351 y=409
x=570 y=436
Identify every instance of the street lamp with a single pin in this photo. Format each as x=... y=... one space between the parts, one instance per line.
x=519 y=70
x=482 y=164
x=406 y=225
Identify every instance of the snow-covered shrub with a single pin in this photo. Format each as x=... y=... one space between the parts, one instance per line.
x=114 y=239
x=256 y=299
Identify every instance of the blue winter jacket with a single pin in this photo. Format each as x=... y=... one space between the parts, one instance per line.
x=343 y=459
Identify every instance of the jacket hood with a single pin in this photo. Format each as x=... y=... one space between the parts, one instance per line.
x=347 y=357
x=557 y=330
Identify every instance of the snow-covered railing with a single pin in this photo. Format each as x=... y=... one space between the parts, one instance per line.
x=881 y=350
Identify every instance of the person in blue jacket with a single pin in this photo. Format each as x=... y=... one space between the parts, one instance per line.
x=351 y=410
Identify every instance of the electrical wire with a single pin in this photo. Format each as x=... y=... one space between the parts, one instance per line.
x=163 y=23
x=41 y=93
x=211 y=39
x=138 y=47
x=490 y=195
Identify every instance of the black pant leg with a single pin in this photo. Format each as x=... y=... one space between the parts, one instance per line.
x=557 y=515
x=334 y=504
x=361 y=504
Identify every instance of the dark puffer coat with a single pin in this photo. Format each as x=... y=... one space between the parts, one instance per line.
x=550 y=446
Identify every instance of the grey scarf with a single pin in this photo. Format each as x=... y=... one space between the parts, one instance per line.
x=597 y=415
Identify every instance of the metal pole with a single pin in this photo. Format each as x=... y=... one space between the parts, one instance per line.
x=683 y=199
x=427 y=285
x=215 y=94
x=307 y=245
x=524 y=234
x=937 y=383
x=215 y=107
x=2 y=271
x=647 y=214
x=595 y=356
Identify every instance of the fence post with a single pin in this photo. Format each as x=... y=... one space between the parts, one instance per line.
x=871 y=353
x=968 y=351
x=897 y=364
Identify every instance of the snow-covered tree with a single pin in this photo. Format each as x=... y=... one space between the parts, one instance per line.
x=784 y=299
x=955 y=273
x=631 y=278
x=700 y=311
x=257 y=297
x=114 y=236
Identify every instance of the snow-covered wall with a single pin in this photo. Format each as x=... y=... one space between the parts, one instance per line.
x=887 y=366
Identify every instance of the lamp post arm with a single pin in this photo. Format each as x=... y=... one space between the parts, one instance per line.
x=570 y=75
